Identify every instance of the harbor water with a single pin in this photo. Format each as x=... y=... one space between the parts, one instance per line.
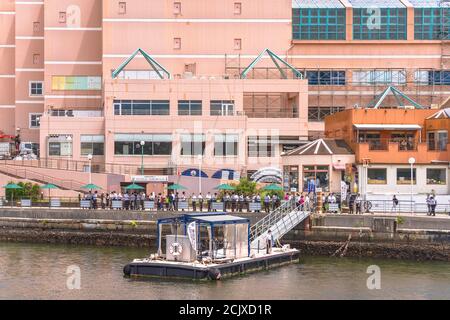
x=37 y=271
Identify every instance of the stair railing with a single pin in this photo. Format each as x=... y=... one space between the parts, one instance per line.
x=271 y=219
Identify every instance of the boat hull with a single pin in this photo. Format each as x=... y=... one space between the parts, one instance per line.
x=213 y=272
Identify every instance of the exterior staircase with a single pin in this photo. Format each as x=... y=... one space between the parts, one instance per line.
x=279 y=222
x=42 y=179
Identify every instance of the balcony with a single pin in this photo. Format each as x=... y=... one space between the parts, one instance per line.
x=395 y=152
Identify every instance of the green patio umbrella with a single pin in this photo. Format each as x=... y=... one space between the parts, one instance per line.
x=49 y=186
x=134 y=186
x=177 y=187
x=273 y=187
x=12 y=186
x=224 y=187
x=91 y=186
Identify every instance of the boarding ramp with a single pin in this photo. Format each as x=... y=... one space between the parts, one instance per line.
x=280 y=221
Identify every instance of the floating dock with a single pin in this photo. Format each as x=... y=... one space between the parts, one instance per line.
x=212 y=271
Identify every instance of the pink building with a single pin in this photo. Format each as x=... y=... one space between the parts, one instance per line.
x=188 y=92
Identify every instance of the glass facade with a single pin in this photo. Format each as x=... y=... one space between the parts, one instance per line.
x=226 y=144
x=312 y=21
x=154 y=144
x=379 y=20
x=92 y=144
x=431 y=19
x=190 y=108
x=141 y=107
x=326 y=77
x=432 y=77
x=192 y=144
x=368 y=77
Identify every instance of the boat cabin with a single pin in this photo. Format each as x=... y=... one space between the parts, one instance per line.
x=203 y=237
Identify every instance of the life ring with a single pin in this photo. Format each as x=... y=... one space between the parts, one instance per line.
x=176 y=249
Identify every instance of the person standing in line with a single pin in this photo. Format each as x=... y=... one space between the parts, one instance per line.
x=433 y=204
x=214 y=199
x=208 y=201
x=307 y=205
x=194 y=202
x=200 y=201
x=177 y=198
x=258 y=200
x=358 y=204
x=227 y=201
x=428 y=204
x=241 y=202
x=394 y=204
x=267 y=203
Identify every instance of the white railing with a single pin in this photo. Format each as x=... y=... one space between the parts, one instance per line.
x=271 y=219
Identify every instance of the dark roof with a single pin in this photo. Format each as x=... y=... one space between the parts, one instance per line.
x=322 y=147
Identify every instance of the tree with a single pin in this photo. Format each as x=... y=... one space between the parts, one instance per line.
x=29 y=190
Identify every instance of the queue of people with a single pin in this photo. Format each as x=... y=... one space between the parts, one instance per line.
x=234 y=202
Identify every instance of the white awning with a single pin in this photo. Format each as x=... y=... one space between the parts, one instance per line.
x=382 y=126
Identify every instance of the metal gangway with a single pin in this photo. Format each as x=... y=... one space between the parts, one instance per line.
x=280 y=221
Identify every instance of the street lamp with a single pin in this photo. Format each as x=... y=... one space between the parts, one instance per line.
x=142 y=157
x=69 y=140
x=90 y=168
x=200 y=159
x=411 y=162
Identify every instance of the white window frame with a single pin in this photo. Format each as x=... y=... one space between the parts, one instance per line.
x=29 y=88
x=29 y=120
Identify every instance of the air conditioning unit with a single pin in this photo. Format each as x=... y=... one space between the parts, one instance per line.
x=410 y=107
x=434 y=106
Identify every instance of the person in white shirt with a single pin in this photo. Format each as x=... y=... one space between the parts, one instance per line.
x=200 y=201
x=269 y=242
x=194 y=202
x=208 y=201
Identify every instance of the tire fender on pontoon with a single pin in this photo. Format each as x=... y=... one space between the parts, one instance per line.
x=214 y=274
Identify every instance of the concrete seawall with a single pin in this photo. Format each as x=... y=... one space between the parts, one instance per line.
x=408 y=237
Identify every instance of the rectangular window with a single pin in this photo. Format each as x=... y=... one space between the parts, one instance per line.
x=60 y=145
x=317 y=176
x=326 y=77
x=318 y=114
x=73 y=83
x=390 y=25
x=122 y=7
x=36 y=88
x=437 y=176
x=437 y=140
x=237 y=8
x=432 y=23
x=404 y=176
x=36 y=27
x=62 y=17
x=35 y=120
x=177 y=8
x=92 y=144
x=226 y=144
x=376 y=176
x=318 y=23
x=177 y=43
x=192 y=144
x=262 y=146
x=189 y=107
x=222 y=108
x=153 y=144
x=141 y=107
x=369 y=77
x=237 y=44
x=36 y=58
